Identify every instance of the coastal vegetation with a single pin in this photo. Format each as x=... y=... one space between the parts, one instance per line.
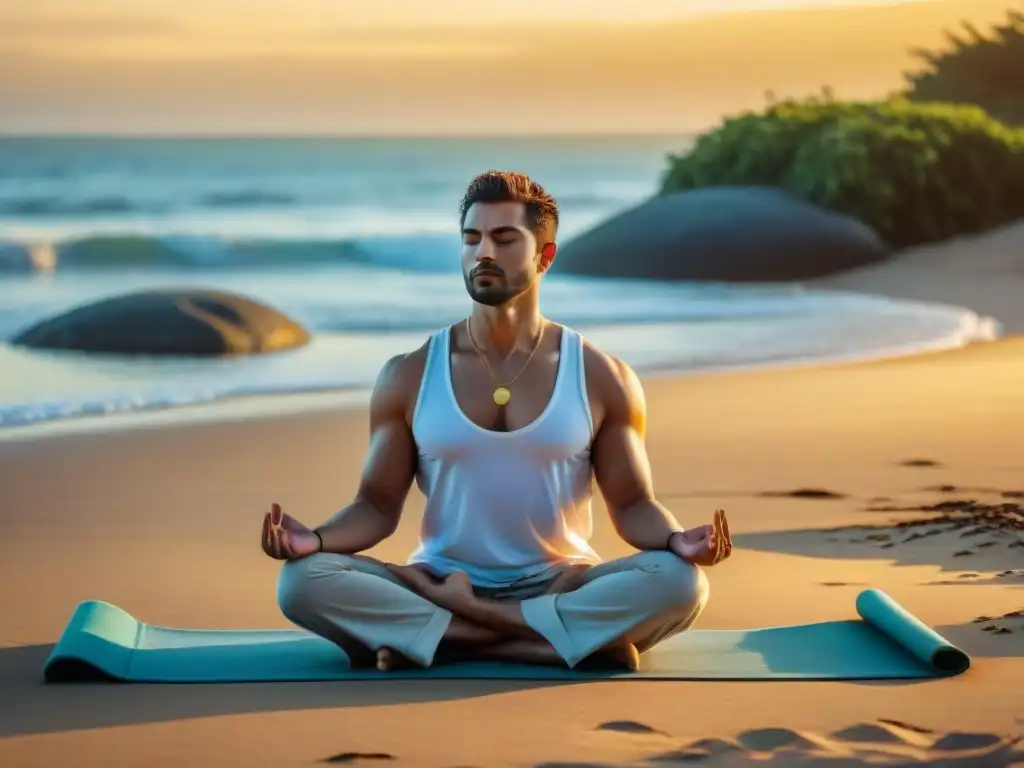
x=982 y=68
x=921 y=166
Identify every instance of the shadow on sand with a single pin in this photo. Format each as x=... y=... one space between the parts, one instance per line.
x=28 y=706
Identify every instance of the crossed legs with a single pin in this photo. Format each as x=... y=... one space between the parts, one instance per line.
x=355 y=602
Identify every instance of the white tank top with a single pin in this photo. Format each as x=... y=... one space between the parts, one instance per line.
x=504 y=506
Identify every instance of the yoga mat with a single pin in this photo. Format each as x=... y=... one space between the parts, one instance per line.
x=104 y=642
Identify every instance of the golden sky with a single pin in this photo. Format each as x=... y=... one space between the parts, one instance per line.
x=443 y=66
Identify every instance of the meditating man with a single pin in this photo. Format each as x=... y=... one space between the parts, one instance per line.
x=504 y=420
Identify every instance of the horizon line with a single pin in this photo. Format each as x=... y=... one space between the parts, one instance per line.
x=359 y=136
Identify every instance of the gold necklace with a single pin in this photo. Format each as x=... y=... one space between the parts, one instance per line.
x=501 y=394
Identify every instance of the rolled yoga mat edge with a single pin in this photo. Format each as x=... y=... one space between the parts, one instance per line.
x=104 y=642
x=97 y=643
x=906 y=630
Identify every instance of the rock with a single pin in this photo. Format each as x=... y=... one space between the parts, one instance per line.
x=723 y=234
x=182 y=322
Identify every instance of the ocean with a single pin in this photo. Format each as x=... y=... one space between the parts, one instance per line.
x=358 y=240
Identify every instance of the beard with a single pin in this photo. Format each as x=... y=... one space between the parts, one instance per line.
x=500 y=291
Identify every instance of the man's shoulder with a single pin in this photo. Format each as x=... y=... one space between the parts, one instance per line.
x=615 y=385
x=404 y=369
x=607 y=371
x=398 y=383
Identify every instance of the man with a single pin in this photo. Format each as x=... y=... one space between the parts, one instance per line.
x=503 y=420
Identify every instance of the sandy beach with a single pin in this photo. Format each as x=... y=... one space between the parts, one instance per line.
x=835 y=478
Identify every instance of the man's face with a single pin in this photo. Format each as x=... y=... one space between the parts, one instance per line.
x=500 y=255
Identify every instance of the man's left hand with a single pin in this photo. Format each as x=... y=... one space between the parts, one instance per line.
x=705 y=545
x=452 y=592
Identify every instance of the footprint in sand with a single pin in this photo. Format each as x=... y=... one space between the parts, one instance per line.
x=1001 y=625
x=972 y=532
x=920 y=463
x=356 y=757
x=842 y=584
x=885 y=732
x=998 y=630
x=772 y=739
x=950 y=488
x=966 y=741
x=804 y=493
x=699 y=751
x=629 y=726
x=882 y=742
x=973 y=577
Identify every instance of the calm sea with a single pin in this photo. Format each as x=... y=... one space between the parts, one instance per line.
x=358 y=240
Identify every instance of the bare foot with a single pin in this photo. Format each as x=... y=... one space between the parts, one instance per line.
x=621 y=655
x=389 y=660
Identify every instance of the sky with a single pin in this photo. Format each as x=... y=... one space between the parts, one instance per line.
x=442 y=66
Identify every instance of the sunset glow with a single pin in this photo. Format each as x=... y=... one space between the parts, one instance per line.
x=322 y=66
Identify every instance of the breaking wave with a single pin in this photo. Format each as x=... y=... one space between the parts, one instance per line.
x=427 y=252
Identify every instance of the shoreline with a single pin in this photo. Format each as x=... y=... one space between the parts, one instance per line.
x=274 y=407
x=271 y=405
x=984 y=272
x=975 y=328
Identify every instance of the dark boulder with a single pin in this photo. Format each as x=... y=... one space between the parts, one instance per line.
x=182 y=322
x=727 y=234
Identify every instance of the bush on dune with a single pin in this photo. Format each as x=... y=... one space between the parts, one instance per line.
x=915 y=172
x=986 y=69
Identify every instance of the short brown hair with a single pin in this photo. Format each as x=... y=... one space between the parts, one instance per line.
x=513 y=187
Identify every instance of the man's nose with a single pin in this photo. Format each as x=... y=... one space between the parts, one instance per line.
x=485 y=250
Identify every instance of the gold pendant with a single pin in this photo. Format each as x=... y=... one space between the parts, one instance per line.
x=502 y=396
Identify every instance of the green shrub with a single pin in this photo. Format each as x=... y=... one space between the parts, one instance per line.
x=916 y=172
x=986 y=69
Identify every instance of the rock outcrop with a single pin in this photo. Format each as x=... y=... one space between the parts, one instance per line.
x=182 y=322
x=723 y=234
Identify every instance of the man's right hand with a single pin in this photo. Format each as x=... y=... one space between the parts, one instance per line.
x=705 y=545
x=285 y=538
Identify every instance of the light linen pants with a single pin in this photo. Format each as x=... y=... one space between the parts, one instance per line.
x=353 y=601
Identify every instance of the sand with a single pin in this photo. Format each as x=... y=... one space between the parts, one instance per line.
x=984 y=273
x=903 y=474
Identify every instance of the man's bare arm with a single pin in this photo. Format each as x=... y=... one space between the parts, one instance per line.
x=390 y=465
x=619 y=454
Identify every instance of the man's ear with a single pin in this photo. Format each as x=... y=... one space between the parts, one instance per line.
x=547 y=255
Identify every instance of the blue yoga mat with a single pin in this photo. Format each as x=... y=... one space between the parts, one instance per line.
x=104 y=642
